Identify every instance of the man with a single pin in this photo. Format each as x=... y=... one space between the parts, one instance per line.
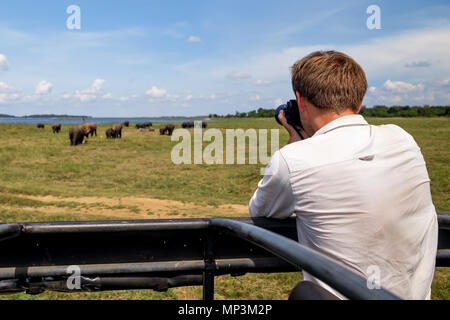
x=361 y=193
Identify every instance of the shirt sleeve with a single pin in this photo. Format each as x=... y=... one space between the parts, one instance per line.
x=274 y=197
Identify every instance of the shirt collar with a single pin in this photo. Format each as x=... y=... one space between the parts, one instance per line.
x=353 y=119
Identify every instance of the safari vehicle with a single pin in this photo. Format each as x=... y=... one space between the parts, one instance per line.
x=161 y=254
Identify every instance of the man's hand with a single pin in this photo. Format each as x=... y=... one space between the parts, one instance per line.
x=293 y=135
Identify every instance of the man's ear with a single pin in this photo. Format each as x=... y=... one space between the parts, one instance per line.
x=359 y=109
x=301 y=106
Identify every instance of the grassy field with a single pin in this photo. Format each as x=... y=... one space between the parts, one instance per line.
x=43 y=178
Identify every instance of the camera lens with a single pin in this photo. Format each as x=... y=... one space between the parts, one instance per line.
x=277 y=112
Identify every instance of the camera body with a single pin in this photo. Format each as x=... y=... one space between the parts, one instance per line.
x=292 y=115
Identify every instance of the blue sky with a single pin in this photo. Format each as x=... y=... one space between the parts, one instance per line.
x=160 y=58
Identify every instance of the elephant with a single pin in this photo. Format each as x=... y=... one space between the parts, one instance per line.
x=77 y=134
x=187 y=124
x=126 y=124
x=92 y=128
x=118 y=130
x=40 y=126
x=168 y=128
x=191 y=124
x=111 y=133
x=143 y=125
x=56 y=128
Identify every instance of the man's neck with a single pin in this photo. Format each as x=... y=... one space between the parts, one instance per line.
x=323 y=118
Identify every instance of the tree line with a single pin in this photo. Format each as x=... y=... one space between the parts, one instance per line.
x=406 y=111
x=375 y=111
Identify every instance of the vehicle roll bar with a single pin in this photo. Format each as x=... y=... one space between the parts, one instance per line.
x=331 y=272
x=162 y=254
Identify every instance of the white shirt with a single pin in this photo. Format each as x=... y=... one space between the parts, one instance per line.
x=361 y=194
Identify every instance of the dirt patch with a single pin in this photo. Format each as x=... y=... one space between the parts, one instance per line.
x=135 y=207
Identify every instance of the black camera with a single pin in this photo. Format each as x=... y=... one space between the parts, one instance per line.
x=292 y=115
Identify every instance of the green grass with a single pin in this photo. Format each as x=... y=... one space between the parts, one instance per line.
x=433 y=137
x=38 y=163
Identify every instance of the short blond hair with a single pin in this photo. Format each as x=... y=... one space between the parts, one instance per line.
x=330 y=80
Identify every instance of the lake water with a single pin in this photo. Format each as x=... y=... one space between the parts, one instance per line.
x=79 y=121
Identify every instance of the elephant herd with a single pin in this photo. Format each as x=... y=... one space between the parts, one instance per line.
x=167 y=129
x=79 y=133
x=191 y=124
x=144 y=125
x=115 y=132
x=56 y=127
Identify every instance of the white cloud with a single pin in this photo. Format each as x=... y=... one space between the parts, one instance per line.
x=4 y=64
x=9 y=97
x=9 y=94
x=84 y=97
x=263 y=82
x=444 y=83
x=238 y=76
x=31 y=98
x=94 y=92
x=194 y=39
x=156 y=92
x=418 y=64
x=173 y=97
x=386 y=56
x=4 y=87
x=108 y=96
x=401 y=86
x=255 y=98
x=202 y=97
x=98 y=85
x=277 y=102
x=43 y=87
x=405 y=93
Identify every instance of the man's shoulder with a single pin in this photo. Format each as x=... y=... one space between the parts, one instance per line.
x=307 y=153
x=341 y=145
x=395 y=135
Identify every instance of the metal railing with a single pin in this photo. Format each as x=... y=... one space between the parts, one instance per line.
x=161 y=254
x=331 y=272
